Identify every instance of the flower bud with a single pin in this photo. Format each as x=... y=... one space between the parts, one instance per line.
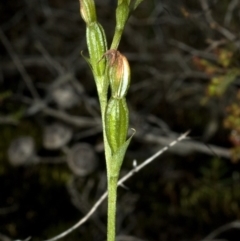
x=116 y=123
x=122 y=13
x=97 y=45
x=118 y=73
x=88 y=11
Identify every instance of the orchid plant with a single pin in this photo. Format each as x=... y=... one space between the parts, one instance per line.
x=111 y=72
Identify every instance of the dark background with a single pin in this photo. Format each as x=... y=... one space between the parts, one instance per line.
x=184 y=57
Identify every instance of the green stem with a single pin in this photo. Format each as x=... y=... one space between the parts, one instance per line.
x=112 y=180
x=112 y=197
x=116 y=38
x=102 y=94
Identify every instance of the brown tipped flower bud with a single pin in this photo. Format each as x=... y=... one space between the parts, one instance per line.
x=88 y=11
x=118 y=73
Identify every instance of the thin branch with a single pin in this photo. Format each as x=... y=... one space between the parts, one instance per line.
x=7 y=210
x=81 y=202
x=4 y=238
x=20 y=67
x=153 y=157
x=213 y=235
x=4 y=120
x=214 y=25
x=228 y=17
x=120 y=182
x=186 y=148
x=49 y=59
x=191 y=50
x=71 y=119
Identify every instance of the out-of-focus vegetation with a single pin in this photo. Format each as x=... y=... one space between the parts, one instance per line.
x=185 y=75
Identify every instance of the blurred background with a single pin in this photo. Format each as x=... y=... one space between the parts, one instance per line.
x=185 y=65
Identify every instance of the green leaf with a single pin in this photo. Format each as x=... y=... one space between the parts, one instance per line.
x=87 y=60
x=119 y=155
x=134 y=4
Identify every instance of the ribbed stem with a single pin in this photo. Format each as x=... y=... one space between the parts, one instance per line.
x=112 y=198
x=116 y=38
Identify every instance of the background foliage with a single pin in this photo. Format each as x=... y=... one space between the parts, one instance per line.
x=185 y=75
